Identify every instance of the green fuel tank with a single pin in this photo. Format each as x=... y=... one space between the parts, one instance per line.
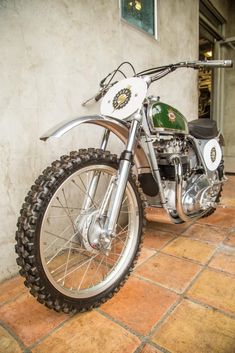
x=164 y=118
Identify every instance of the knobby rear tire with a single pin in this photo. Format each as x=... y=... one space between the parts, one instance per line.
x=29 y=227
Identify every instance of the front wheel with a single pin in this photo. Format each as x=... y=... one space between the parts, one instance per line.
x=58 y=223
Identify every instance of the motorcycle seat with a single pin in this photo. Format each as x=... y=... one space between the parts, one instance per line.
x=203 y=128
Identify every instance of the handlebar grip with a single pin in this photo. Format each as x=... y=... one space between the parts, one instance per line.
x=228 y=63
x=209 y=64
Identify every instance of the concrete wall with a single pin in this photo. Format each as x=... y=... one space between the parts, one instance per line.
x=53 y=54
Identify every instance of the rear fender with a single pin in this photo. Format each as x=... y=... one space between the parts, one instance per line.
x=120 y=128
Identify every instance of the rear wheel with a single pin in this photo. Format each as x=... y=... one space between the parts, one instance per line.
x=58 y=245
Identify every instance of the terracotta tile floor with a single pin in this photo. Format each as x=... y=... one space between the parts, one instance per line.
x=179 y=299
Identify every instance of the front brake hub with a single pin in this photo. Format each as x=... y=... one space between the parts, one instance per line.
x=91 y=232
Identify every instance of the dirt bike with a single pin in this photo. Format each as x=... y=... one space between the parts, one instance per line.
x=81 y=225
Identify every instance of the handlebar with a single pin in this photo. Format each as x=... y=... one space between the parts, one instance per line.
x=206 y=64
x=157 y=73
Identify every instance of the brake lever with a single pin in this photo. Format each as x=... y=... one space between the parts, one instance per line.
x=99 y=95
x=92 y=98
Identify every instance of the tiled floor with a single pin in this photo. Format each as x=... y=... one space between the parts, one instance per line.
x=179 y=299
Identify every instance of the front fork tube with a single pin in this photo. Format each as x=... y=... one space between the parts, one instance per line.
x=89 y=199
x=121 y=180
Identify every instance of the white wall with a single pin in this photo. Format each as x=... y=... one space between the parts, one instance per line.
x=53 y=54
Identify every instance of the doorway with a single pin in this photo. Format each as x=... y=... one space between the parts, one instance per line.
x=217 y=90
x=211 y=25
x=206 y=52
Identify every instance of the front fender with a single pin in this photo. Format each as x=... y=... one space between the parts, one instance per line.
x=119 y=127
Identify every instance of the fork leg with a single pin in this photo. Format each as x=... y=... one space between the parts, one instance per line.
x=96 y=176
x=121 y=179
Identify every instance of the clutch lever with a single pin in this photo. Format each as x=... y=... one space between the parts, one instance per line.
x=99 y=94
x=102 y=91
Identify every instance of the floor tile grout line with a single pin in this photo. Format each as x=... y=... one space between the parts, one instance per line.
x=14 y=335
x=210 y=307
x=148 y=227
x=170 y=231
x=198 y=240
x=160 y=348
x=204 y=267
x=165 y=287
x=12 y=299
x=208 y=242
x=219 y=270
x=169 y=241
x=157 y=251
x=210 y=225
x=184 y=258
x=181 y=258
x=183 y=294
x=156 y=284
x=48 y=334
x=160 y=251
x=145 y=339
x=121 y=323
x=153 y=344
x=164 y=317
x=140 y=347
x=191 y=223
x=194 y=278
x=165 y=244
x=144 y=261
x=231 y=230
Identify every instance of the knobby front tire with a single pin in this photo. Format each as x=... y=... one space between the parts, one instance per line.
x=61 y=269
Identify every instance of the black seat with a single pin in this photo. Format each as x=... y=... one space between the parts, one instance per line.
x=203 y=128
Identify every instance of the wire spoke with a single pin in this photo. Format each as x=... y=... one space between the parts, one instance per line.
x=61 y=216
x=75 y=269
x=84 y=275
x=71 y=208
x=85 y=193
x=98 y=267
x=68 y=258
x=58 y=236
x=67 y=213
x=58 y=251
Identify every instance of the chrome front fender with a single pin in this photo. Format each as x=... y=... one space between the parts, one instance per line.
x=120 y=128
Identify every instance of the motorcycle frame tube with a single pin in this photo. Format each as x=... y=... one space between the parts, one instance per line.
x=153 y=159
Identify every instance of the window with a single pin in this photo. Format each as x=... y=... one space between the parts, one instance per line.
x=140 y=13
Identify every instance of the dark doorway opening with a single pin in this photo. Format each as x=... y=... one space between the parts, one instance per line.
x=210 y=31
x=206 y=52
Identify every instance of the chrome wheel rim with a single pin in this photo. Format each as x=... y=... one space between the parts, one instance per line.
x=72 y=269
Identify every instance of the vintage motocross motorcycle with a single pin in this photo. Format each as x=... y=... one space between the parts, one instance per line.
x=81 y=225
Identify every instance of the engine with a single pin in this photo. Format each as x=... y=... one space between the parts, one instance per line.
x=166 y=148
x=199 y=189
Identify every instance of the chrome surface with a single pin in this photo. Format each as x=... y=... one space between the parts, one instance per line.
x=147 y=143
x=73 y=252
x=105 y=139
x=179 y=192
x=119 y=128
x=195 y=199
x=95 y=179
x=120 y=182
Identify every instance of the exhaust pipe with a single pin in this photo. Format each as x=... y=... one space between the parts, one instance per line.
x=178 y=193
